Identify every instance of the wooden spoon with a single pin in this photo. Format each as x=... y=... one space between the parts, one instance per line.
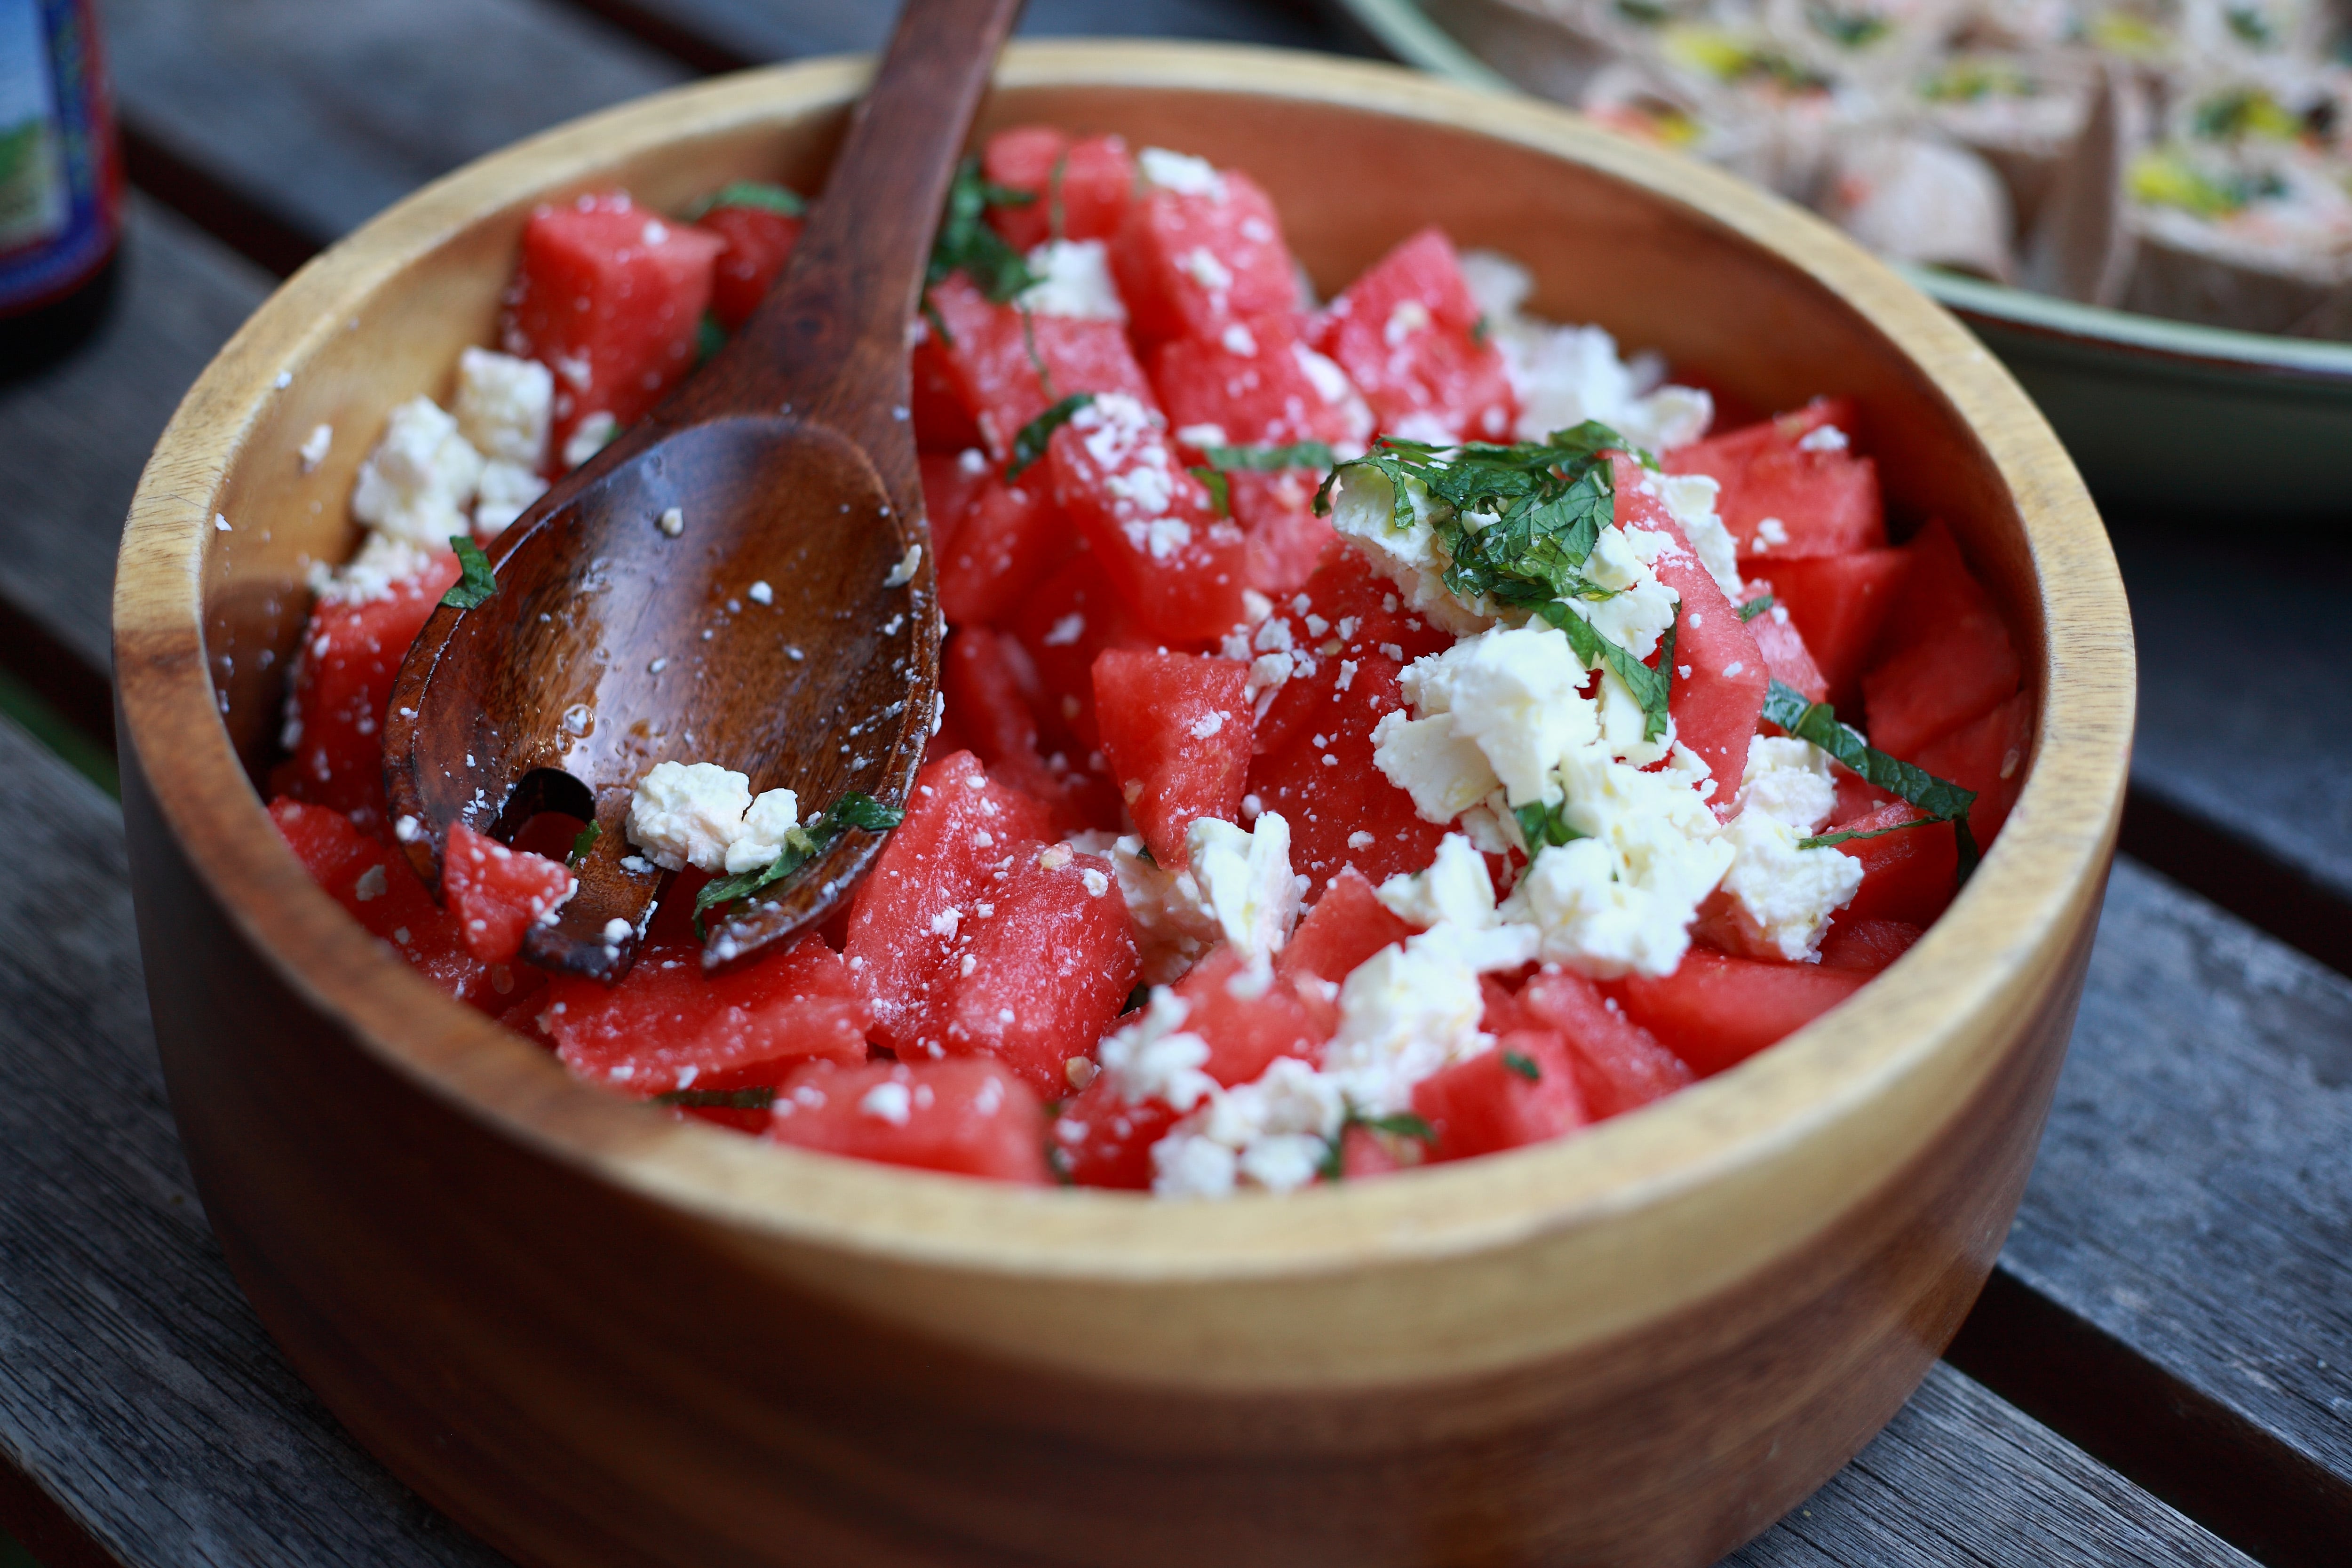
x=789 y=629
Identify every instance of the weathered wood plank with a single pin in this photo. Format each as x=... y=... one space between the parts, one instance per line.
x=74 y=437
x=326 y=114
x=2192 y=1209
x=139 y=1394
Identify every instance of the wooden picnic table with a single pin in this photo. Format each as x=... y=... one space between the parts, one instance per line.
x=2160 y=1371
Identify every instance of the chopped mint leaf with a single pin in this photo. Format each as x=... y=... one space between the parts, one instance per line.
x=1402 y=1124
x=719 y=1098
x=1220 y=490
x=583 y=846
x=755 y=194
x=1397 y=1124
x=1755 y=607
x=1818 y=723
x=475 y=582
x=1269 y=459
x=1831 y=840
x=802 y=844
x=1482 y=329
x=1057 y=1161
x=1525 y=1066
x=1650 y=687
x=968 y=244
x=710 y=337
x=1030 y=443
x=1541 y=825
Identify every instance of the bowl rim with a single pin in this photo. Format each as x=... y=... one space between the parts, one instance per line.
x=2026 y=899
x=2317 y=367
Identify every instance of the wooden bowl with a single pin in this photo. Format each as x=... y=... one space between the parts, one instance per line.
x=596 y=1335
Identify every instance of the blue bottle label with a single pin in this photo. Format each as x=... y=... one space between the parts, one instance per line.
x=60 y=178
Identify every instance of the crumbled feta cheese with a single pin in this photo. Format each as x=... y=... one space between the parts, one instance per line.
x=1202 y=266
x=1690 y=498
x=503 y=405
x=1823 y=438
x=591 y=436
x=415 y=484
x=504 y=494
x=1412 y=1009
x=1444 y=774
x=759 y=593
x=383 y=564
x=1174 y=923
x=1789 y=781
x=1073 y=280
x=1515 y=693
x=688 y=815
x=1636 y=615
x=1454 y=889
x=1180 y=173
x=1273 y=1133
x=1407 y=319
x=1770 y=533
x=313 y=449
x=1238 y=341
x=1783 y=895
x=888 y=1101
x=761 y=838
x=1244 y=881
x=1203 y=437
x=1155 y=1057
x=1363 y=510
x=1624 y=727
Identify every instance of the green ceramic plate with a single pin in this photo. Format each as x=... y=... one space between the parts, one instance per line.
x=2158 y=414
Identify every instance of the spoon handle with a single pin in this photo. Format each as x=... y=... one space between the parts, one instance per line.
x=830 y=340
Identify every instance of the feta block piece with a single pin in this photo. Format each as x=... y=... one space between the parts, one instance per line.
x=505 y=493
x=1073 y=280
x=1515 y=694
x=1245 y=882
x=1454 y=889
x=1413 y=1008
x=1622 y=898
x=315 y=447
x=1407 y=552
x=1273 y=1134
x=1637 y=614
x=1180 y=173
x=415 y=484
x=1155 y=1057
x=591 y=436
x=1690 y=498
x=503 y=405
x=760 y=840
x=382 y=563
x=1445 y=774
x=1789 y=781
x=1624 y=728
x=1174 y=923
x=1784 y=895
x=685 y=815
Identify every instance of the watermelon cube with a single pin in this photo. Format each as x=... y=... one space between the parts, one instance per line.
x=1948 y=658
x=669 y=1025
x=960 y=830
x=1619 y=1064
x=950 y=481
x=1868 y=946
x=1249 y=1021
x=1411 y=338
x=610 y=296
x=1907 y=876
x=1063 y=624
x=1283 y=539
x=1259 y=385
x=1786 y=657
x=1043 y=963
x=943 y=421
x=497 y=893
x=991 y=693
x=1989 y=756
x=1176 y=731
x=967 y=1118
x=1791 y=488
x=755 y=244
x=1345 y=926
x=1180 y=567
x=1102 y=1139
x=1840 y=604
x=1081 y=184
x=1012 y=536
x=1715 y=1011
x=1188 y=262
x=1008 y=365
x=350 y=654
x=1521 y=1092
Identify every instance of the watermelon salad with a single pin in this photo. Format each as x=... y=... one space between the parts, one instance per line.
x=1373 y=731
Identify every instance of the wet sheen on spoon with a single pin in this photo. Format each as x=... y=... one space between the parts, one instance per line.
x=613 y=642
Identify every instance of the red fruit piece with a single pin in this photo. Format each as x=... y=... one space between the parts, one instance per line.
x=1715 y=1011
x=1523 y=1092
x=1347 y=925
x=1009 y=365
x=1407 y=333
x=1786 y=657
x=668 y=1026
x=1253 y=383
x=903 y=943
x=1316 y=770
x=1102 y=1141
x=950 y=481
x=943 y=421
x=1189 y=262
x=1283 y=539
x=1083 y=181
x=970 y=1118
x=1619 y=1064
x=1176 y=732
x=1907 y=876
x=1988 y=756
x=1248 y=1021
x=1179 y=567
x=496 y=892
x=1012 y=535
x=1045 y=959
x=377 y=888
x=1063 y=624
x=1946 y=659
x=991 y=692
x=754 y=245
x=1868 y=946
x=1784 y=499
x=610 y=297
x=1716 y=706
x=1365 y=1152
x=1840 y=602
x=343 y=683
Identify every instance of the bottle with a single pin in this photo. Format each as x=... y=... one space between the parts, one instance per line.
x=60 y=181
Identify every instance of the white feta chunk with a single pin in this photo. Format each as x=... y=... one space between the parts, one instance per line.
x=505 y=493
x=685 y=815
x=503 y=405
x=1454 y=889
x=1784 y=895
x=1245 y=881
x=1156 y=1059
x=383 y=564
x=415 y=484
x=1515 y=694
x=1180 y=173
x=761 y=840
x=1445 y=774
x=1415 y=1007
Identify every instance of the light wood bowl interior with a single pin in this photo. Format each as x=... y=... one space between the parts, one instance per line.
x=594 y=1334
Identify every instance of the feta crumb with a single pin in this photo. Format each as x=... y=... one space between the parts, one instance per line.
x=503 y=405
x=1202 y=266
x=1515 y=693
x=616 y=931
x=1454 y=889
x=591 y=436
x=1823 y=438
x=759 y=593
x=504 y=494
x=1690 y=499
x=372 y=884
x=415 y=484
x=383 y=564
x=1244 y=881
x=1156 y=1059
x=672 y=521
x=1096 y=884
x=1238 y=342
x=761 y=838
x=888 y=1101
x=1770 y=533
x=1413 y=1008
x=1272 y=1134
x=1203 y=437
x=1207 y=724
x=1177 y=171
x=1065 y=631
x=313 y=449
x=683 y=815
x=1074 y=281
x=904 y=573
x=1783 y=894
